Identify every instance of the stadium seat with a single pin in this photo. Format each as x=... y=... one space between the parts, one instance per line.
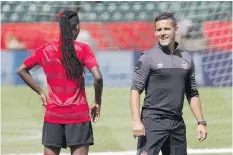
x=15 y=17
x=111 y=7
x=110 y=12
x=6 y=8
x=124 y=7
x=99 y=8
x=3 y=17
x=32 y=8
x=142 y=16
x=136 y=7
x=19 y=8
x=28 y=17
x=129 y=16
x=87 y=7
x=117 y=16
x=92 y=16
x=47 y=8
x=150 y=6
x=139 y=10
x=104 y=17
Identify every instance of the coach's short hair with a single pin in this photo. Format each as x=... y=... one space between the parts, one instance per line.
x=166 y=15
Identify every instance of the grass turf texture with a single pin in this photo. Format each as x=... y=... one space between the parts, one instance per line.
x=22 y=120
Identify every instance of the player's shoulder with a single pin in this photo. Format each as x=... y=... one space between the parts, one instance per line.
x=80 y=45
x=49 y=47
x=82 y=49
x=43 y=48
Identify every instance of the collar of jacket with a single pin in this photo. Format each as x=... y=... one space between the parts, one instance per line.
x=176 y=48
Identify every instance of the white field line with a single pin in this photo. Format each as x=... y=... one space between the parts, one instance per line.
x=190 y=151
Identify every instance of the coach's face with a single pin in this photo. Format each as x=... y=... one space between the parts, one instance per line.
x=165 y=32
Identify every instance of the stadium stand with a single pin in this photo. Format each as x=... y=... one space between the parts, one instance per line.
x=134 y=19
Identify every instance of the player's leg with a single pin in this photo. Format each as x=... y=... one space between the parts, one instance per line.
x=53 y=138
x=178 y=138
x=79 y=137
x=156 y=135
x=79 y=150
x=50 y=150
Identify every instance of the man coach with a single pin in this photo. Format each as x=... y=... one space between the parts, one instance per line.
x=167 y=74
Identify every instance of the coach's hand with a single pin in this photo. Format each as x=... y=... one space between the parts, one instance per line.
x=201 y=132
x=138 y=129
x=95 y=111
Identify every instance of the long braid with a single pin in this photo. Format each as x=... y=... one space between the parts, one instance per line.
x=73 y=66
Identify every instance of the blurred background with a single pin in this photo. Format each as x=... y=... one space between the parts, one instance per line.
x=117 y=32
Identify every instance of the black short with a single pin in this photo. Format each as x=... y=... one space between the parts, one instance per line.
x=67 y=135
x=165 y=135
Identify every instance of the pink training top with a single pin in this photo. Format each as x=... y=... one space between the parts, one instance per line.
x=67 y=102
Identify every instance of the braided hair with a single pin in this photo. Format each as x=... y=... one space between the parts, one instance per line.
x=68 y=21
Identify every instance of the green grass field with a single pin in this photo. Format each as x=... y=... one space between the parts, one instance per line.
x=22 y=120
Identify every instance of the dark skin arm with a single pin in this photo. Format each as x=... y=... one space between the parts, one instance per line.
x=98 y=86
x=23 y=72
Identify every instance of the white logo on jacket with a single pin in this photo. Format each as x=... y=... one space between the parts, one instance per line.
x=160 y=65
x=184 y=65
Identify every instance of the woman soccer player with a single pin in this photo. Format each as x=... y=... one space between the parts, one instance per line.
x=67 y=119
